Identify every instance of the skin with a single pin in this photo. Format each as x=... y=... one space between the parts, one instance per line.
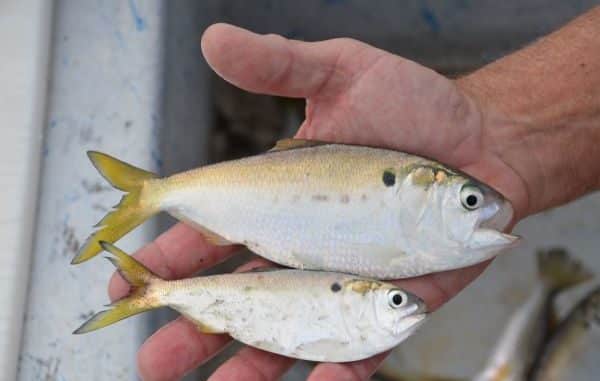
x=503 y=124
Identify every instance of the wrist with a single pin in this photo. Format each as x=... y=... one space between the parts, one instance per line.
x=540 y=109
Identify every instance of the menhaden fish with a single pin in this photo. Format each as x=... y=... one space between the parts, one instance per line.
x=525 y=332
x=308 y=315
x=322 y=206
x=572 y=352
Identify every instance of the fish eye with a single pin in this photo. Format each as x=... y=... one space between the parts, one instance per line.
x=396 y=298
x=471 y=197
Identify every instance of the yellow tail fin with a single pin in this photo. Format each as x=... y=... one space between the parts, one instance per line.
x=138 y=300
x=129 y=213
x=559 y=270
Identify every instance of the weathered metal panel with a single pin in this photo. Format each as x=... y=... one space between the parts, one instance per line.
x=105 y=94
x=24 y=33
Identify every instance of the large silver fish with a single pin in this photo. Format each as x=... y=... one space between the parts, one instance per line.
x=571 y=353
x=311 y=205
x=309 y=315
x=525 y=332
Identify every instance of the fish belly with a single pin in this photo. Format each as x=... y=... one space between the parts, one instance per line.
x=329 y=231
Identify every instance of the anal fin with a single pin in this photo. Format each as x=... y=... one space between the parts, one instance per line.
x=210 y=236
x=205 y=328
x=213 y=238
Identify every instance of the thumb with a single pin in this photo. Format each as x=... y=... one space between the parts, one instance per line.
x=275 y=65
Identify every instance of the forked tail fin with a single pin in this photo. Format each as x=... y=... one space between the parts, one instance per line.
x=560 y=271
x=138 y=300
x=129 y=213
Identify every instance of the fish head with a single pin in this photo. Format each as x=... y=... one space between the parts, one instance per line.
x=464 y=216
x=375 y=316
x=475 y=217
x=398 y=312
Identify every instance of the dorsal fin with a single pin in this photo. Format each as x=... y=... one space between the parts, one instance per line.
x=287 y=144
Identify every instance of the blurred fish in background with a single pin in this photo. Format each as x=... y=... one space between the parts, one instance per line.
x=526 y=330
x=388 y=376
x=567 y=356
x=535 y=345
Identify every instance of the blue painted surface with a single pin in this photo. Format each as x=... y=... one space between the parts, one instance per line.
x=105 y=75
x=428 y=15
x=133 y=88
x=140 y=23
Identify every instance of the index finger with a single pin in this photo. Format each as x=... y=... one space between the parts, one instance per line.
x=177 y=253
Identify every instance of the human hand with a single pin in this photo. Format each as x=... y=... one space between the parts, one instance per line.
x=355 y=94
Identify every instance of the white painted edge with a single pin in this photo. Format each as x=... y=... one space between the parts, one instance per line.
x=25 y=32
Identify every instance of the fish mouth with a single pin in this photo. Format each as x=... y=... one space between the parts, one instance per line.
x=493 y=241
x=499 y=220
x=489 y=229
x=422 y=309
x=409 y=324
x=405 y=325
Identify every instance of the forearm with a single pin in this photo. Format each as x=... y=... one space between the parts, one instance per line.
x=541 y=110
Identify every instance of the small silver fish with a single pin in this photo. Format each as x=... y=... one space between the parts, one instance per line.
x=322 y=206
x=525 y=332
x=308 y=315
x=573 y=345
